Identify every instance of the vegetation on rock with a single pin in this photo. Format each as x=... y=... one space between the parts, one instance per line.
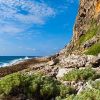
x=89 y=94
x=80 y=74
x=36 y=86
x=93 y=50
x=89 y=34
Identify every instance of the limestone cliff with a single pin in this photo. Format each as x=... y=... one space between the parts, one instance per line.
x=86 y=33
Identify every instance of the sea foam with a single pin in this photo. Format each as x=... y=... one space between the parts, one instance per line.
x=13 y=62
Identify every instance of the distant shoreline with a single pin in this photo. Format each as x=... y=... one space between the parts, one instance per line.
x=12 y=60
x=21 y=65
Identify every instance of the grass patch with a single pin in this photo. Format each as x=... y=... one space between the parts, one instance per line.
x=80 y=74
x=93 y=50
x=90 y=33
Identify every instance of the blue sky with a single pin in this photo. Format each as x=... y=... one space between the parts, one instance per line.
x=35 y=27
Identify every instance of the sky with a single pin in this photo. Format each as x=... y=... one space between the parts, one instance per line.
x=36 y=27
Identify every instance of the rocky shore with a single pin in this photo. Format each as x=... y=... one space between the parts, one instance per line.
x=71 y=75
x=21 y=66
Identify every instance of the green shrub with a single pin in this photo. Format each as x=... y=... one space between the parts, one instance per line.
x=45 y=88
x=49 y=87
x=70 y=97
x=89 y=94
x=80 y=74
x=35 y=85
x=58 y=98
x=66 y=90
x=96 y=85
x=9 y=82
x=94 y=50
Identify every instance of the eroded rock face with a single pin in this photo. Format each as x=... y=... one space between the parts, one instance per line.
x=86 y=31
x=89 y=11
x=77 y=61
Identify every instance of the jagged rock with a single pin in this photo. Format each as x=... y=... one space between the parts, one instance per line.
x=73 y=83
x=67 y=83
x=97 y=79
x=93 y=60
x=53 y=62
x=90 y=42
x=99 y=55
x=63 y=71
x=81 y=89
x=74 y=61
x=54 y=72
x=77 y=61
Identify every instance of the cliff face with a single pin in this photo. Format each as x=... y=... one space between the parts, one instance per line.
x=86 y=33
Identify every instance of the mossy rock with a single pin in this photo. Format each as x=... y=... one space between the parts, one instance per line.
x=93 y=50
x=92 y=31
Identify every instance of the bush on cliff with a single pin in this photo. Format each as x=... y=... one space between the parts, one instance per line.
x=80 y=74
x=90 y=33
x=94 y=50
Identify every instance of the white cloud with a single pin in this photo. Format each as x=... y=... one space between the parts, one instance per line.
x=10 y=29
x=17 y=16
x=25 y=11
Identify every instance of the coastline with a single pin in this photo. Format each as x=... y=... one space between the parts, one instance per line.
x=22 y=65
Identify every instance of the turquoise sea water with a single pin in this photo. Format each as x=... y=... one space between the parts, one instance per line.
x=9 y=60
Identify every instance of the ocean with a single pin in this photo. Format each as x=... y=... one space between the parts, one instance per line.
x=9 y=60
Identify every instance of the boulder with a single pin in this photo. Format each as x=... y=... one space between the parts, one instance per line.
x=63 y=71
x=53 y=62
x=73 y=61
x=93 y=60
